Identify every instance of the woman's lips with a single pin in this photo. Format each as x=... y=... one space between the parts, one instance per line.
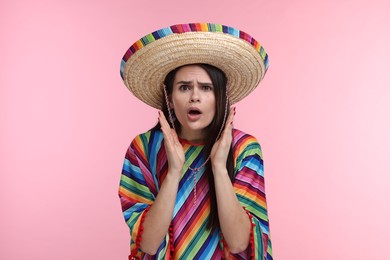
x=194 y=114
x=193 y=117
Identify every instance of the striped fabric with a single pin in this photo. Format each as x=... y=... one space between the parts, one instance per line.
x=193 y=27
x=144 y=170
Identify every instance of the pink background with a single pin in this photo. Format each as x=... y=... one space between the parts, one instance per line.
x=321 y=115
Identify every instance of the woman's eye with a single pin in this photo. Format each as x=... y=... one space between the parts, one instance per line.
x=184 y=87
x=207 y=88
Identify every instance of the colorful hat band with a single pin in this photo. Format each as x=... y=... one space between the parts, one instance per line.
x=193 y=27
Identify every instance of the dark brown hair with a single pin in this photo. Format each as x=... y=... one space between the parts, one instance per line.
x=219 y=81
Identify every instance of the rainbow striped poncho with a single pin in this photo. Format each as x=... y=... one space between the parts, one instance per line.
x=144 y=170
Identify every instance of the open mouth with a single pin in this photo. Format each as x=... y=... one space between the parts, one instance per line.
x=194 y=111
x=194 y=114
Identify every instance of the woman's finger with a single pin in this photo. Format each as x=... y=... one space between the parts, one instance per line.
x=231 y=116
x=228 y=125
x=163 y=121
x=165 y=128
x=175 y=137
x=169 y=133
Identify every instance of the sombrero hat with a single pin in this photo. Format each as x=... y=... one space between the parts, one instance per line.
x=147 y=62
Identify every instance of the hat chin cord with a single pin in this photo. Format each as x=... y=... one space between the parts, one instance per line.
x=195 y=170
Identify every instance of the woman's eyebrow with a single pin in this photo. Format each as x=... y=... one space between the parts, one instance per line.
x=190 y=82
x=205 y=83
x=183 y=82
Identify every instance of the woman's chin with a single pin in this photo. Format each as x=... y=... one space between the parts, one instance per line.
x=193 y=130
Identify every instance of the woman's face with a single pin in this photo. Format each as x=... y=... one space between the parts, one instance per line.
x=193 y=100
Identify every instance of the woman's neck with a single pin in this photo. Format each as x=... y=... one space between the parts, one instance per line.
x=195 y=137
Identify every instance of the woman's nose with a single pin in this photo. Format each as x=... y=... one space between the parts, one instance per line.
x=194 y=96
x=193 y=100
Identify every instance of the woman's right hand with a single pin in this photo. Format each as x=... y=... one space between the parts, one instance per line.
x=173 y=147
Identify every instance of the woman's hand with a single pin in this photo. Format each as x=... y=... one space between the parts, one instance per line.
x=173 y=147
x=220 y=150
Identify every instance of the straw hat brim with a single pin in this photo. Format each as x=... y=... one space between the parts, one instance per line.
x=145 y=70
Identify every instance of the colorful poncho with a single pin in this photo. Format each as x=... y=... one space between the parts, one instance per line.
x=144 y=169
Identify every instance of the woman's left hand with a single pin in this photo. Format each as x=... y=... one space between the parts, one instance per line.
x=220 y=150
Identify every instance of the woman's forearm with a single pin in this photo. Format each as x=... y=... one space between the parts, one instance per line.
x=159 y=217
x=234 y=221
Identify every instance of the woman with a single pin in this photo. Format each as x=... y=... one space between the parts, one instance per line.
x=192 y=187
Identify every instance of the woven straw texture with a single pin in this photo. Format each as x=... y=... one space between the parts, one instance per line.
x=148 y=61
